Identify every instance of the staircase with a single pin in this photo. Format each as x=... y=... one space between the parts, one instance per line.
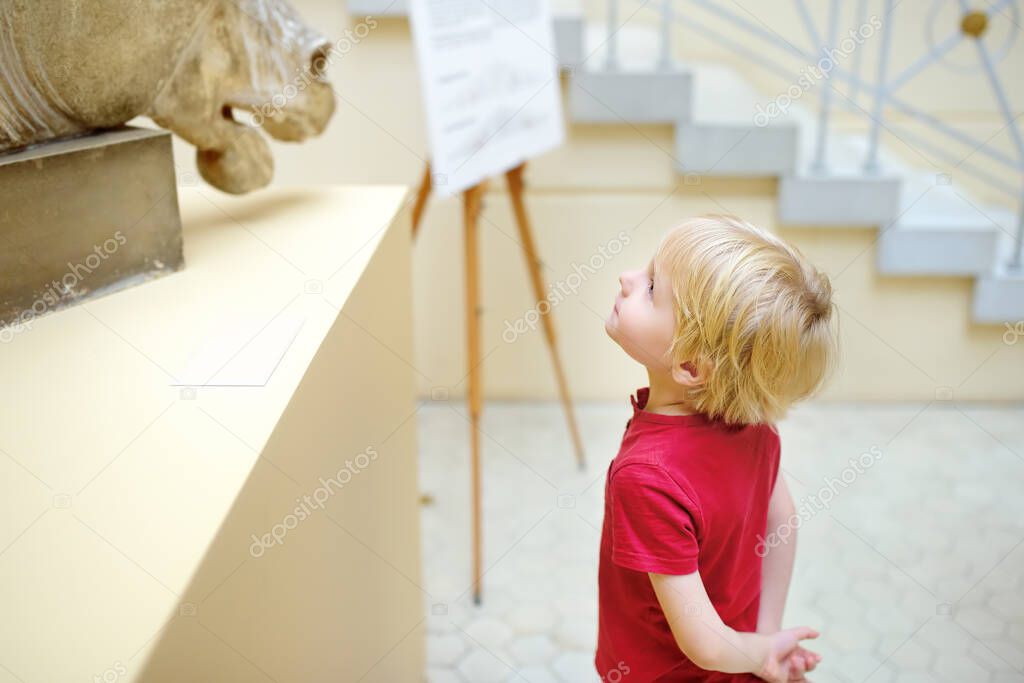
x=927 y=226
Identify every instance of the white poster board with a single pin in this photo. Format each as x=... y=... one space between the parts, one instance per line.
x=490 y=86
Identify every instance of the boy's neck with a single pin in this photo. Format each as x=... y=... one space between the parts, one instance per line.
x=666 y=397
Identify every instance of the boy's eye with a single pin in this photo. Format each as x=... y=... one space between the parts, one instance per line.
x=650 y=286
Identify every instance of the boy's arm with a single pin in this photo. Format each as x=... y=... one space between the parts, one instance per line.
x=777 y=566
x=706 y=641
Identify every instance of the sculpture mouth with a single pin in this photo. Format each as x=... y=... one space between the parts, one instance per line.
x=304 y=115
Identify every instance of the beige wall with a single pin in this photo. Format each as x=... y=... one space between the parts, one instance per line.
x=903 y=338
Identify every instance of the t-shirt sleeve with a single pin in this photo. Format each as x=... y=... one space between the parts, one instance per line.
x=652 y=522
x=774 y=449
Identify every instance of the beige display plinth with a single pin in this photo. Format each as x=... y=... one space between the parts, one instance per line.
x=136 y=511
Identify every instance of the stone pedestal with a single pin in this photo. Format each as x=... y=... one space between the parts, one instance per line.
x=84 y=217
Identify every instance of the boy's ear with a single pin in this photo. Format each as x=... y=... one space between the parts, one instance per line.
x=691 y=374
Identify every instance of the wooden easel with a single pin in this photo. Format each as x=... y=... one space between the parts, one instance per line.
x=472 y=199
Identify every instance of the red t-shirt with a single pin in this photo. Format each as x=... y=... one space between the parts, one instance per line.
x=684 y=493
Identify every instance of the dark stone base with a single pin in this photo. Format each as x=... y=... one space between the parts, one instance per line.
x=82 y=217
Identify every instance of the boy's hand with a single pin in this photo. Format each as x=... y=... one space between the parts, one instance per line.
x=803 y=660
x=787 y=660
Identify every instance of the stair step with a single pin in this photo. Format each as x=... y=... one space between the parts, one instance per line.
x=999 y=299
x=722 y=138
x=935 y=249
x=400 y=8
x=378 y=8
x=628 y=96
x=735 y=150
x=939 y=233
x=569 y=30
x=637 y=89
x=566 y=15
x=839 y=200
x=636 y=46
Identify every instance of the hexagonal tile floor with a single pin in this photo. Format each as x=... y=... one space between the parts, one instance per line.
x=910 y=559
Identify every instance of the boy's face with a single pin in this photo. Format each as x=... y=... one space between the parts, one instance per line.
x=643 y=319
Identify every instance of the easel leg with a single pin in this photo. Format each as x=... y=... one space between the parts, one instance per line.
x=471 y=210
x=515 y=186
x=421 y=199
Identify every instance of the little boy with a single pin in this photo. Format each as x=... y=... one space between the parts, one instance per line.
x=733 y=326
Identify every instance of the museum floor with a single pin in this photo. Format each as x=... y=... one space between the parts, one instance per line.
x=914 y=573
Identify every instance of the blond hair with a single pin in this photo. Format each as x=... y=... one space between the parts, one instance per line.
x=752 y=314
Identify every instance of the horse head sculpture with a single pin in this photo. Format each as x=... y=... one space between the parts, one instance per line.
x=72 y=67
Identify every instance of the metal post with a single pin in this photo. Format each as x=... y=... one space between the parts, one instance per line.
x=1015 y=136
x=805 y=15
x=1001 y=99
x=665 y=63
x=862 y=19
x=1016 y=264
x=611 y=61
x=819 y=165
x=871 y=162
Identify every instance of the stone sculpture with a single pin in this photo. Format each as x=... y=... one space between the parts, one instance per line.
x=71 y=67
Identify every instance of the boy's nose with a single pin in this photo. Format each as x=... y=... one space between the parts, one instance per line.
x=627 y=279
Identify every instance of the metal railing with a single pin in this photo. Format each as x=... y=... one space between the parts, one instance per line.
x=883 y=88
